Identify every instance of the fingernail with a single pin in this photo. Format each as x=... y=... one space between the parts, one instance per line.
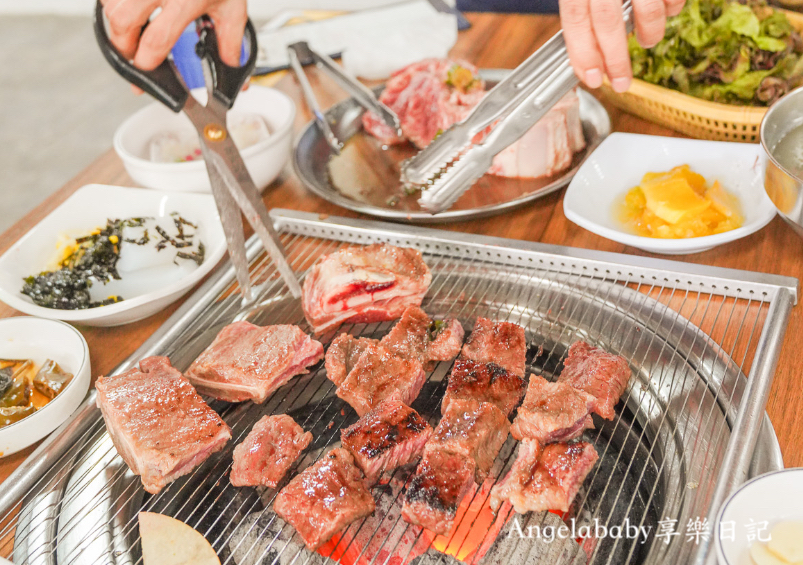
x=593 y=78
x=620 y=84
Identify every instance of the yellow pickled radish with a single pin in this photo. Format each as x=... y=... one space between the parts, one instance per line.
x=787 y=541
x=673 y=199
x=679 y=204
x=763 y=556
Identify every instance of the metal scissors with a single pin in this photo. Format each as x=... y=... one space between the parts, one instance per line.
x=232 y=186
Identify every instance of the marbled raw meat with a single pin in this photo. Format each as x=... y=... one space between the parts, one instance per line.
x=369 y=283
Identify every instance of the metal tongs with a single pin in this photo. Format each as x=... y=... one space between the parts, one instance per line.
x=232 y=186
x=449 y=165
x=301 y=54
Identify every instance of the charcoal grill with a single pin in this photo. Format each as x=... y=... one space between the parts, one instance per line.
x=692 y=425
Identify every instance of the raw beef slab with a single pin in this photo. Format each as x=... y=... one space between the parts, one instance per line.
x=432 y=95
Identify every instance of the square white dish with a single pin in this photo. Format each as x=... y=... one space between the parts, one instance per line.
x=144 y=292
x=622 y=159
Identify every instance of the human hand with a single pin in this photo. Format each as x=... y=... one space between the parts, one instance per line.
x=596 y=39
x=149 y=48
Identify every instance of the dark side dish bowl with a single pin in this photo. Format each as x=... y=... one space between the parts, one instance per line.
x=44 y=377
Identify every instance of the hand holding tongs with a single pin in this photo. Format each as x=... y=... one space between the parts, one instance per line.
x=232 y=186
x=301 y=54
x=449 y=165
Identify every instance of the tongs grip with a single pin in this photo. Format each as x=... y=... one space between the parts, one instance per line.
x=364 y=96
x=300 y=54
x=162 y=82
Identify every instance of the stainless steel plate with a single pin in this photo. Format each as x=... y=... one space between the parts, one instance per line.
x=364 y=177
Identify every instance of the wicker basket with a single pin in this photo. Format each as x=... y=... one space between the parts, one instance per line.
x=689 y=115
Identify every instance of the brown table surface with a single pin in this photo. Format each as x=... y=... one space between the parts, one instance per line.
x=493 y=41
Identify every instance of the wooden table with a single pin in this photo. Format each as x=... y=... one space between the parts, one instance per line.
x=494 y=41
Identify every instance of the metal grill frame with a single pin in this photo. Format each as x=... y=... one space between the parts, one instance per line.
x=778 y=293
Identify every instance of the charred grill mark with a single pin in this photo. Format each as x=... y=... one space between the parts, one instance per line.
x=496 y=372
x=379 y=437
x=426 y=489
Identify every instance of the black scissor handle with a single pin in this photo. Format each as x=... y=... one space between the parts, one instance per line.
x=162 y=83
x=227 y=82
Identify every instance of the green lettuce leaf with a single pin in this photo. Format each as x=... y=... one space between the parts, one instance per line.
x=721 y=50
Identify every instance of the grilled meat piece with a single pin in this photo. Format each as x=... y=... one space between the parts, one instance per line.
x=379 y=374
x=325 y=498
x=387 y=437
x=271 y=447
x=597 y=372
x=433 y=496
x=417 y=336
x=364 y=284
x=248 y=362
x=502 y=343
x=343 y=354
x=486 y=382
x=474 y=429
x=552 y=412
x=160 y=426
x=446 y=338
x=545 y=479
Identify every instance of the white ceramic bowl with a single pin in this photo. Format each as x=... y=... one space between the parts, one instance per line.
x=621 y=160
x=144 y=292
x=766 y=500
x=264 y=161
x=38 y=339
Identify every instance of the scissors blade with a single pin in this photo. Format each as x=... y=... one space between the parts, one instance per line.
x=231 y=176
x=225 y=157
x=232 y=221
